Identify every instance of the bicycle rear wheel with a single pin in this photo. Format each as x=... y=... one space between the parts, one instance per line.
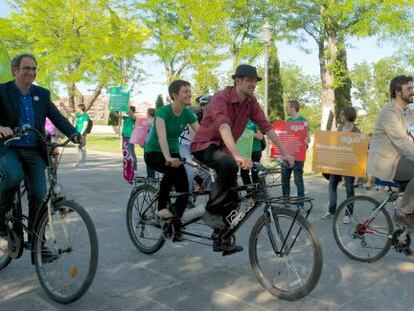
x=66 y=252
x=143 y=228
x=285 y=254
x=367 y=237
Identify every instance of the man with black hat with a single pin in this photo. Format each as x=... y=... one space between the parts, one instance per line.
x=214 y=145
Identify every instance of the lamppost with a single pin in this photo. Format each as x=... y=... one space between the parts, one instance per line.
x=267 y=39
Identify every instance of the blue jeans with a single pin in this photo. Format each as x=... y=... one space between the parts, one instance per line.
x=297 y=177
x=333 y=186
x=16 y=164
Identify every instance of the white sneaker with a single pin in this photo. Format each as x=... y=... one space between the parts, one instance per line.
x=81 y=164
x=347 y=220
x=327 y=215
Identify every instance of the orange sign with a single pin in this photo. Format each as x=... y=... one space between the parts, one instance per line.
x=340 y=153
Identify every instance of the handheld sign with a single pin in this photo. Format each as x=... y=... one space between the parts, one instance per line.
x=340 y=153
x=293 y=136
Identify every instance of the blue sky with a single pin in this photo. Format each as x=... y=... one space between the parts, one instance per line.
x=359 y=50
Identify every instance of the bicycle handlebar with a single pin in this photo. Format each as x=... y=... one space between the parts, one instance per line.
x=22 y=131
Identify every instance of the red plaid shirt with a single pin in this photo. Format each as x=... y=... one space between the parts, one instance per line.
x=225 y=107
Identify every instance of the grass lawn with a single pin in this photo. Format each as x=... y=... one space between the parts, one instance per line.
x=113 y=144
x=108 y=144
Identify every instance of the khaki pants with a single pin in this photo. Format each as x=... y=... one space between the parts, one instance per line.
x=405 y=172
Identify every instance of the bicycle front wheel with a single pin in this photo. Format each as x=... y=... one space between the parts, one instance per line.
x=66 y=252
x=143 y=227
x=367 y=236
x=285 y=254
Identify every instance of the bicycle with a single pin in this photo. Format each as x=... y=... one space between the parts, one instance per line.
x=62 y=238
x=370 y=233
x=278 y=240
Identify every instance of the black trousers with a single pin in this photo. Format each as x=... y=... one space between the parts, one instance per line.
x=226 y=170
x=256 y=156
x=173 y=176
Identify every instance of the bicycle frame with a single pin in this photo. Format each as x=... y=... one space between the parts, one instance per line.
x=257 y=197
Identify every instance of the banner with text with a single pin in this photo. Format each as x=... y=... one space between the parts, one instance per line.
x=118 y=99
x=293 y=136
x=340 y=153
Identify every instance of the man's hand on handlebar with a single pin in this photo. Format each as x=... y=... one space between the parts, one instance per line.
x=244 y=163
x=5 y=131
x=78 y=139
x=173 y=162
x=290 y=161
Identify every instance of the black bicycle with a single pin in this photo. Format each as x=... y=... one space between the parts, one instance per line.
x=62 y=239
x=284 y=251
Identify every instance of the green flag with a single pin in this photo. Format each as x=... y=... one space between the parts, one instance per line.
x=5 y=71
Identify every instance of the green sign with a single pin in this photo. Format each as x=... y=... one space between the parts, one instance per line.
x=5 y=71
x=118 y=99
x=245 y=144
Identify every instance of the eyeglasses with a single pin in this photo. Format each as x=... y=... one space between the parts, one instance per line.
x=28 y=68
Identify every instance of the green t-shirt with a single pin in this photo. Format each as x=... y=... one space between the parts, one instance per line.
x=299 y=118
x=257 y=144
x=127 y=126
x=81 y=118
x=174 y=126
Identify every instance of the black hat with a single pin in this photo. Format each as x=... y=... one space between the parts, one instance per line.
x=246 y=71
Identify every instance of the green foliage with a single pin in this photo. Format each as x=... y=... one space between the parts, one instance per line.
x=185 y=34
x=76 y=41
x=371 y=87
x=300 y=86
x=276 y=107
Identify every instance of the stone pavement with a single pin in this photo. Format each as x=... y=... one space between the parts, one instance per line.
x=189 y=276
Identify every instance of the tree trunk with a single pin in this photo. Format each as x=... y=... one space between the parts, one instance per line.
x=327 y=56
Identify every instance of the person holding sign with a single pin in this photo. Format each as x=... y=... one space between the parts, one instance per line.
x=214 y=145
x=391 y=152
x=161 y=150
x=348 y=117
x=292 y=109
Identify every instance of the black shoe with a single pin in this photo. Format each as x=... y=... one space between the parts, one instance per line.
x=406 y=220
x=227 y=246
x=47 y=255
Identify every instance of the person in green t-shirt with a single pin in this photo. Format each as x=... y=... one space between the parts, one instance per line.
x=256 y=154
x=161 y=150
x=292 y=110
x=81 y=124
x=127 y=127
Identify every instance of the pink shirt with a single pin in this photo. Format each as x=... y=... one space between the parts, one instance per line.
x=225 y=107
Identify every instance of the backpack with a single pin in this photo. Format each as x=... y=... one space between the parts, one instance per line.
x=89 y=127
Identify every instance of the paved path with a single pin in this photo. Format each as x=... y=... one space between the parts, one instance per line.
x=188 y=276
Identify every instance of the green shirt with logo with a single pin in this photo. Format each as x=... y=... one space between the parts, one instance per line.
x=128 y=126
x=80 y=119
x=174 y=126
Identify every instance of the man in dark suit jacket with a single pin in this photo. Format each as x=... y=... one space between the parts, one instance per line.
x=21 y=103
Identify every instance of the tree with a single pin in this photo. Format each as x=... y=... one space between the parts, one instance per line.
x=159 y=102
x=81 y=42
x=342 y=82
x=371 y=87
x=332 y=22
x=276 y=107
x=244 y=21
x=300 y=86
x=185 y=33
